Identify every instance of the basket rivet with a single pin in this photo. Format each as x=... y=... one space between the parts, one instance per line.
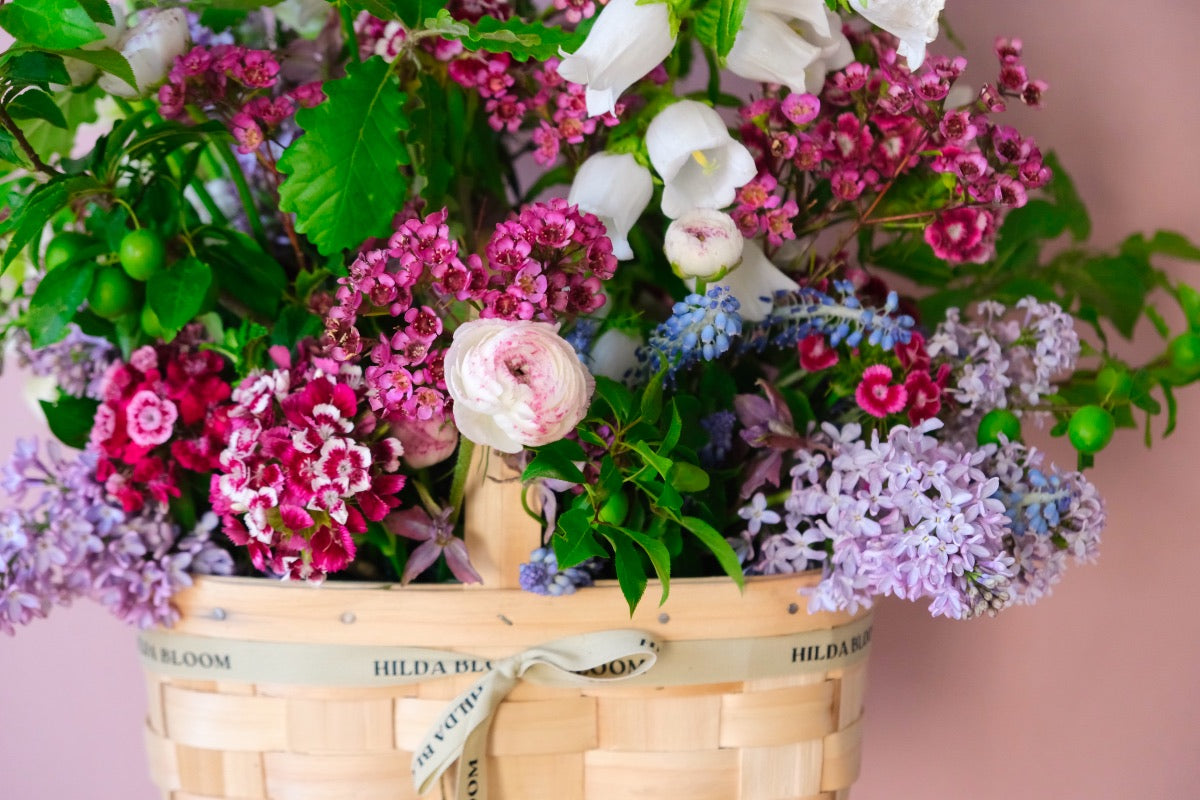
x=664 y=618
x=218 y=613
x=348 y=618
x=793 y=608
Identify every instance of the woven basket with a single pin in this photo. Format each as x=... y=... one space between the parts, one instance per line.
x=790 y=737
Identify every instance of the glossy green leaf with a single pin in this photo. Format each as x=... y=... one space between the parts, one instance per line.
x=720 y=548
x=616 y=396
x=106 y=60
x=36 y=104
x=55 y=301
x=176 y=293
x=656 y=551
x=51 y=24
x=99 y=11
x=344 y=180
x=524 y=40
x=70 y=419
x=34 y=66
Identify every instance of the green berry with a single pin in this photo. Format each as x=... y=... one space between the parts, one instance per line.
x=142 y=253
x=998 y=421
x=1184 y=352
x=1091 y=429
x=113 y=294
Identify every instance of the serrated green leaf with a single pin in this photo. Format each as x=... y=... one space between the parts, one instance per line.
x=36 y=104
x=106 y=60
x=176 y=293
x=55 y=301
x=523 y=40
x=550 y=464
x=99 y=11
x=34 y=66
x=70 y=419
x=344 y=183
x=411 y=12
x=42 y=204
x=616 y=396
x=52 y=24
x=720 y=548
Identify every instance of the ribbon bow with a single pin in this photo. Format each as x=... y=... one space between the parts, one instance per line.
x=462 y=730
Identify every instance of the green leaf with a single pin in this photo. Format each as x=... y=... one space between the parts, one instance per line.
x=571 y=551
x=1067 y=198
x=1172 y=407
x=36 y=104
x=550 y=464
x=176 y=293
x=244 y=270
x=524 y=40
x=411 y=12
x=687 y=477
x=659 y=464
x=652 y=398
x=913 y=258
x=52 y=24
x=660 y=557
x=720 y=548
x=55 y=301
x=616 y=396
x=34 y=66
x=343 y=184
x=1167 y=243
x=107 y=60
x=674 y=430
x=99 y=11
x=718 y=24
x=437 y=122
x=9 y=151
x=631 y=572
x=1116 y=287
x=70 y=419
x=42 y=204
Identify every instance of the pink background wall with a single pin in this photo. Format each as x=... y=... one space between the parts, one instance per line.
x=1093 y=694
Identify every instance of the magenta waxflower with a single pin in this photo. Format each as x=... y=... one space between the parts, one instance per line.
x=877 y=395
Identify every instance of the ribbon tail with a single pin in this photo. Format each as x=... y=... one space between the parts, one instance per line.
x=472 y=764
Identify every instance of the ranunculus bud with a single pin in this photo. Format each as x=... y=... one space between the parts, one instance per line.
x=150 y=47
x=913 y=22
x=703 y=243
x=515 y=383
x=426 y=441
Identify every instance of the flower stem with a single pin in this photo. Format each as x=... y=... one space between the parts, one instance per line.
x=462 y=468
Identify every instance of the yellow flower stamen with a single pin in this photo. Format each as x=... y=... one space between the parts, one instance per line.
x=704 y=162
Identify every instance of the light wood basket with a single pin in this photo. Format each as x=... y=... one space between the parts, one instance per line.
x=796 y=737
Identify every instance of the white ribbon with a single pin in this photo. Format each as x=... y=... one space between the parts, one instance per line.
x=461 y=732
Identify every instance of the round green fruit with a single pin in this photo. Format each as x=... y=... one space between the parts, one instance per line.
x=1091 y=429
x=142 y=253
x=1115 y=384
x=113 y=294
x=64 y=247
x=1184 y=351
x=998 y=421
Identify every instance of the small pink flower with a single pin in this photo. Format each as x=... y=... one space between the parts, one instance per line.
x=343 y=465
x=877 y=395
x=308 y=95
x=816 y=354
x=800 y=109
x=246 y=131
x=150 y=419
x=925 y=397
x=426 y=442
x=962 y=235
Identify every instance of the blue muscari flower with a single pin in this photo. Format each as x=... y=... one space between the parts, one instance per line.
x=541 y=575
x=719 y=426
x=842 y=319
x=580 y=337
x=1039 y=506
x=700 y=328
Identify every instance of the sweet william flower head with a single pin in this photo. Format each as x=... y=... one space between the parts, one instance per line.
x=617 y=189
x=629 y=39
x=913 y=22
x=701 y=165
x=703 y=243
x=515 y=383
x=150 y=47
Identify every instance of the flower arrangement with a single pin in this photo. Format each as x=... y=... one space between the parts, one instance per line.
x=740 y=288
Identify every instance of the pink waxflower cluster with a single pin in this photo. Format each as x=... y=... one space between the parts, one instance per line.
x=545 y=263
x=162 y=411
x=759 y=209
x=306 y=467
x=872 y=125
x=231 y=81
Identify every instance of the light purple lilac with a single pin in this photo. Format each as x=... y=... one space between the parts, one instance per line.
x=77 y=363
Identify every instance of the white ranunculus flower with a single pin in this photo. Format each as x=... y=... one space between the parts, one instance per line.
x=794 y=43
x=614 y=354
x=754 y=283
x=701 y=165
x=150 y=47
x=629 y=39
x=703 y=243
x=515 y=383
x=913 y=22
x=617 y=189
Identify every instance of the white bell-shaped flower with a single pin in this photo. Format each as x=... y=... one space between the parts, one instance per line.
x=913 y=22
x=629 y=39
x=617 y=189
x=754 y=283
x=701 y=165
x=150 y=47
x=614 y=354
x=790 y=43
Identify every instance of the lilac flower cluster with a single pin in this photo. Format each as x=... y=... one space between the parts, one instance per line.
x=541 y=575
x=844 y=319
x=77 y=363
x=906 y=515
x=61 y=538
x=700 y=328
x=1000 y=362
x=1054 y=516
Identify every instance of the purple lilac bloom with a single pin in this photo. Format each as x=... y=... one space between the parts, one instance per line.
x=77 y=363
x=61 y=539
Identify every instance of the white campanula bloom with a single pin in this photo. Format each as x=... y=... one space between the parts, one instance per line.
x=913 y=22
x=150 y=47
x=701 y=165
x=617 y=189
x=703 y=243
x=629 y=39
x=790 y=43
x=754 y=283
x=614 y=354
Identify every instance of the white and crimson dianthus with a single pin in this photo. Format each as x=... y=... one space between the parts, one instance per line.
x=515 y=383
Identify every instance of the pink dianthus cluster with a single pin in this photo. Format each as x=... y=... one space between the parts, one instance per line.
x=305 y=468
x=230 y=80
x=163 y=410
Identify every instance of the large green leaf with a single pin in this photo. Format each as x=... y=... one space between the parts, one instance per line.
x=176 y=294
x=52 y=24
x=107 y=60
x=1116 y=287
x=718 y=24
x=22 y=65
x=344 y=183
x=70 y=419
x=524 y=40
x=42 y=204
x=55 y=301
x=411 y=12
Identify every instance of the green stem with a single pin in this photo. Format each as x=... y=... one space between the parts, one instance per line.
x=462 y=467
x=244 y=194
x=348 y=31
